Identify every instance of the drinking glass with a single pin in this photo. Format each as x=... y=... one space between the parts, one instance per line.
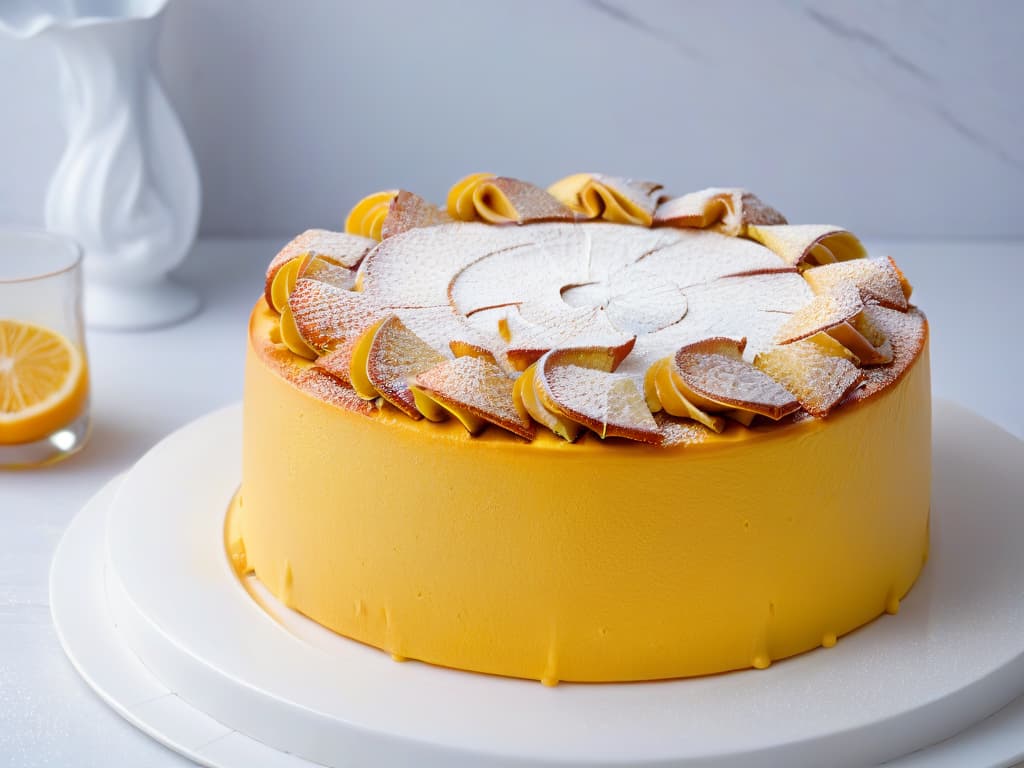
x=44 y=375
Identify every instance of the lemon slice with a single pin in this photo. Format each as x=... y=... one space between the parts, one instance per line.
x=43 y=382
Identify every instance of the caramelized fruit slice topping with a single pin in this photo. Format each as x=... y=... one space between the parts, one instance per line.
x=730 y=211
x=338 y=248
x=879 y=280
x=596 y=196
x=478 y=387
x=578 y=385
x=662 y=384
x=714 y=373
x=386 y=356
x=818 y=371
x=410 y=211
x=501 y=200
x=367 y=216
x=525 y=392
x=804 y=245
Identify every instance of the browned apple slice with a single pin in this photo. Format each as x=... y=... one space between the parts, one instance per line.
x=410 y=211
x=864 y=339
x=338 y=248
x=462 y=348
x=393 y=355
x=562 y=328
x=818 y=371
x=325 y=315
x=479 y=387
x=597 y=196
x=730 y=211
x=879 y=280
x=676 y=431
x=610 y=405
x=715 y=374
x=804 y=245
x=907 y=333
x=337 y=361
x=840 y=305
x=318 y=268
x=840 y=314
x=502 y=200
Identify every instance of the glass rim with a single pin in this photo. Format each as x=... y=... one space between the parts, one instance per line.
x=74 y=247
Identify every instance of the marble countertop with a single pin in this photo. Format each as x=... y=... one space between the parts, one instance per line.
x=148 y=384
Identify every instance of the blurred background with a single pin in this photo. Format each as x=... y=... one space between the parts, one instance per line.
x=892 y=117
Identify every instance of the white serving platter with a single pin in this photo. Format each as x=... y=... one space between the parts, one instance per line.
x=153 y=617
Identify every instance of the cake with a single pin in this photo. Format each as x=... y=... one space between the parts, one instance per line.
x=591 y=432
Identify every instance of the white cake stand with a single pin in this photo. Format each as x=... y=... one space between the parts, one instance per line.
x=152 y=616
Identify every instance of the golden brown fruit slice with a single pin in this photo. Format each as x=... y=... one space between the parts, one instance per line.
x=462 y=348
x=596 y=196
x=728 y=210
x=385 y=358
x=318 y=268
x=578 y=384
x=326 y=316
x=338 y=248
x=840 y=305
x=410 y=211
x=715 y=374
x=879 y=280
x=479 y=387
x=338 y=361
x=367 y=216
x=524 y=391
x=501 y=200
x=907 y=333
x=291 y=337
x=817 y=371
x=662 y=388
x=864 y=339
x=804 y=245
x=840 y=314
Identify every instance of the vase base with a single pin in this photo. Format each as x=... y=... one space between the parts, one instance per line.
x=138 y=307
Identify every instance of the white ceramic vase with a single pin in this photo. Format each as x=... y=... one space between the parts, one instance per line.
x=126 y=187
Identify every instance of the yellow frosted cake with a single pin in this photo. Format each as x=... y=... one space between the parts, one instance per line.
x=588 y=433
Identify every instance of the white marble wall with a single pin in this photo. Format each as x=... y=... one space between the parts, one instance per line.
x=894 y=117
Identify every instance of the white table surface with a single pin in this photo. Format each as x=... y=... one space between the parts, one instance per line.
x=148 y=384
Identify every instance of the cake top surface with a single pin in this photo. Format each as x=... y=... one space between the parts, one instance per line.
x=598 y=304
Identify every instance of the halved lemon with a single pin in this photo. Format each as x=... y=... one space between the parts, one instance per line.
x=43 y=382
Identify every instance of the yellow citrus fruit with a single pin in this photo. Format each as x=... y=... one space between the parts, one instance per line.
x=43 y=382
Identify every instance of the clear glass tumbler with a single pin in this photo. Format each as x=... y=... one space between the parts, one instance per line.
x=44 y=374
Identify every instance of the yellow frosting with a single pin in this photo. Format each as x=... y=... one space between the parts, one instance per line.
x=367 y=217
x=597 y=200
x=593 y=561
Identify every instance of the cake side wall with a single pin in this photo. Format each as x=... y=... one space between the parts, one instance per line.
x=584 y=562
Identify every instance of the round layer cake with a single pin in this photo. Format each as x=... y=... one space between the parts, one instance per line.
x=588 y=433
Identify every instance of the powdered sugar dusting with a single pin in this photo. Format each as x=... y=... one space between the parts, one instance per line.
x=339 y=248
x=531 y=202
x=729 y=210
x=907 y=332
x=326 y=316
x=733 y=381
x=877 y=280
x=676 y=431
x=396 y=355
x=480 y=387
x=410 y=211
x=610 y=404
x=839 y=305
x=818 y=380
x=562 y=285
